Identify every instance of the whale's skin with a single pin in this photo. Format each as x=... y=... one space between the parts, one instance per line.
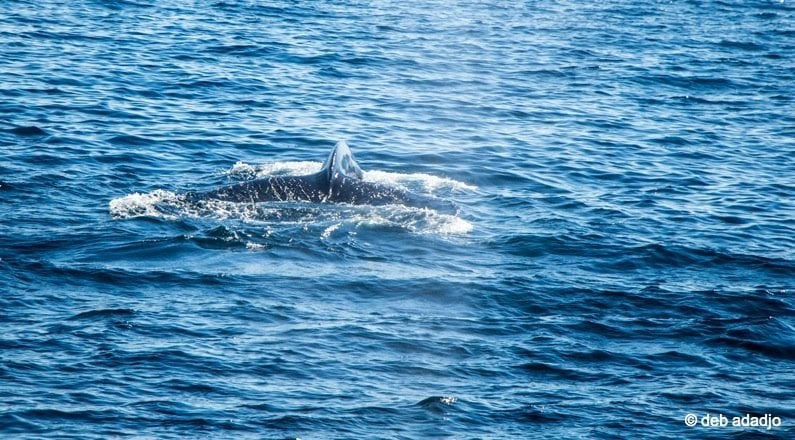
x=340 y=180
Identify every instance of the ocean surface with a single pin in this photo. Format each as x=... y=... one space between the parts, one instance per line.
x=620 y=259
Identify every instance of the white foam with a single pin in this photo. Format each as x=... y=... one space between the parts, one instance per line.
x=255 y=246
x=448 y=400
x=142 y=205
x=330 y=230
x=453 y=226
x=415 y=220
x=243 y=171
x=171 y=206
x=428 y=182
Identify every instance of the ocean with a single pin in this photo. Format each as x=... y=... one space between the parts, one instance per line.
x=620 y=262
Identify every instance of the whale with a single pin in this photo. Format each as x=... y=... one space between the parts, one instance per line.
x=340 y=180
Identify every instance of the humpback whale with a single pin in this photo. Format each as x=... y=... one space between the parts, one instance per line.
x=340 y=180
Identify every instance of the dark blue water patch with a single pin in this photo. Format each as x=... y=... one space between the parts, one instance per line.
x=742 y=45
x=16 y=424
x=127 y=161
x=766 y=336
x=538 y=415
x=39 y=35
x=65 y=81
x=27 y=268
x=689 y=82
x=255 y=103
x=102 y=313
x=27 y=131
x=679 y=360
x=132 y=140
x=681 y=256
x=221 y=238
x=202 y=84
x=544 y=371
x=168 y=359
x=762 y=348
x=264 y=49
x=121 y=4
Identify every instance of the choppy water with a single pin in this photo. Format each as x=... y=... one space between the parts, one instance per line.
x=623 y=254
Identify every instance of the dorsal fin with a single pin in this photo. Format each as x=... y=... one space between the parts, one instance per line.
x=341 y=163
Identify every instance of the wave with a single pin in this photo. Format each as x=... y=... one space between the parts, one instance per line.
x=29 y=130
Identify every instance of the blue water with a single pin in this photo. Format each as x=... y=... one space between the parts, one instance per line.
x=622 y=255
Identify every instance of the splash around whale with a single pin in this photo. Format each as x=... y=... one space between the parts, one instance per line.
x=340 y=180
